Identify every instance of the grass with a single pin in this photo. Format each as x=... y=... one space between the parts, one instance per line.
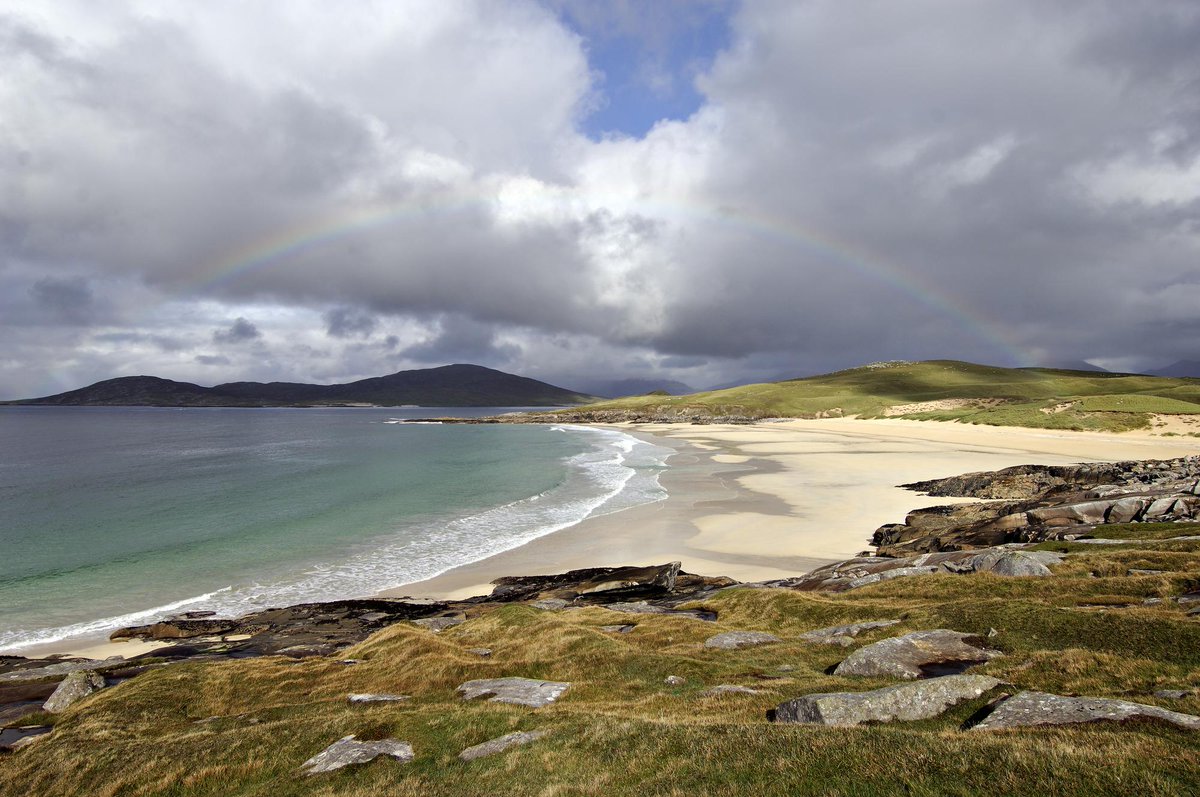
x=1034 y=397
x=244 y=727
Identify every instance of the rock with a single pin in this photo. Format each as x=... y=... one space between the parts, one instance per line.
x=729 y=689
x=906 y=702
x=178 y=628
x=1137 y=571
x=888 y=575
x=732 y=640
x=551 y=604
x=12 y=739
x=674 y=680
x=618 y=629
x=916 y=655
x=369 y=698
x=1173 y=694
x=1188 y=597
x=642 y=607
x=1014 y=563
x=348 y=750
x=1040 y=708
x=594 y=584
x=29 y=740
x=75 y=687
x=439 y=624
x=844 y=634
x=482 y=652
x=60 y=668
x=500 y=744
x=1126 y=510
x=517 y=691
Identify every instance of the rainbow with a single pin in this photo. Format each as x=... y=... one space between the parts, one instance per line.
x=276 y=249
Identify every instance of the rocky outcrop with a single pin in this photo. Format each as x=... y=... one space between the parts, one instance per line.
x=360 y=698
x=1041 y=708
x=348 y=750
x=516 y=691
x=75 y=687
x=722 y=690
x=917 y=655
x=844 y=635
x=1009 y=560
x=500 y=744
x=732 y=640
x=1043 y=503
x=592 y=585
x=905 y=702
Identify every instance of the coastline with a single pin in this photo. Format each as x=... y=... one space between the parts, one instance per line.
x=773 y=500
x=764 y=501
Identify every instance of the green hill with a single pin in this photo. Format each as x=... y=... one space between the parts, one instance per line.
x=945 y=390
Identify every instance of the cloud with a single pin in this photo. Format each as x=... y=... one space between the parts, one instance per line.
x=400 y=185
x=211 y=359
x=240 y=331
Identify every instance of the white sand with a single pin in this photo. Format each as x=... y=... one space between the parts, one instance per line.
x=777 y=499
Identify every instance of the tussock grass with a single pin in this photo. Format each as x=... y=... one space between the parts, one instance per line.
x=244 y=727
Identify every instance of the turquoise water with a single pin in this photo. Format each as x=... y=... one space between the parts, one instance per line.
x=118 y=516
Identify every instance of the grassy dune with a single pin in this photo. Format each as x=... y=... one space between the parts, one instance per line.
x=244 y=727
x=950 y=390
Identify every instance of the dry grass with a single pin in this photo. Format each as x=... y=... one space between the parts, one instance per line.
x=244 y=727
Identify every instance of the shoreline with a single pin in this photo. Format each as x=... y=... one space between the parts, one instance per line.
x=763 y=501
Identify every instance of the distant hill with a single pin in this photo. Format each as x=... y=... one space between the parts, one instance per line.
x=935 y=390
x=1073 y=365
x=1182 y=368
x=447 y=386
x=636 y=387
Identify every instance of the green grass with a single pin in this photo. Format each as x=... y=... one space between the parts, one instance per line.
x=244 y=727
x=1035 y=397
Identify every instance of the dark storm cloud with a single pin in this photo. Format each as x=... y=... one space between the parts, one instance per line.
x=1000 y=181
x=346 y=322
x=240 y=331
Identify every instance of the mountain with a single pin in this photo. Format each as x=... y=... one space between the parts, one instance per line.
x=616 y=388
x=447 y=386
x=1182 y=368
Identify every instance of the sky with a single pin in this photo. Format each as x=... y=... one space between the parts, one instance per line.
x=707 y=191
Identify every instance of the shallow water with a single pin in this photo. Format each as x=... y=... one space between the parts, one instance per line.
x=118 y=516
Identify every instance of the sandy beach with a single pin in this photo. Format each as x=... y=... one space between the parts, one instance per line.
x=766 y=501
x=774 y=500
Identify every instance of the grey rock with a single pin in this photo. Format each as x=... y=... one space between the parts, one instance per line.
x=62 y=668
x=888 y=575
x=517 y=691
x=1173 y=694
x=906 y=702
x=729 y=689
x=1095 y=541
x=786 y=668
x=370 y=698
x=551 y=604
x=500 y=744
x=348 y=750
x=1188 y=597
x=1012 y=563
x=1040 y=708
x=674 y=680
x=732 y=640
x=1137 y=571
x=439 y=624
x=482 y=652
x=844 y=634
x=618 y=629
x=1126 y=510
x=75 y=687
x=30 y=740
x=640 y=607
x=914 y=655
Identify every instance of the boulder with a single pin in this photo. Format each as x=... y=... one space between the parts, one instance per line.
x=517 y=691
x=481 y=652
x=1003 y=562
x=551 y=604
x=624 y=628
x=1040 y=708
x=61 y=668
x=888 y=575
x=905 y=702
x=729 y=689
x=731 y=640
x=178 y=628
x=916 y=655
x=348 y=750
x=370 y=698
x=439 y=624
x=674 y=680
x=75 y=687
x=844 y=634
x=594 y=584
x=500 y=744
x=1126 y=510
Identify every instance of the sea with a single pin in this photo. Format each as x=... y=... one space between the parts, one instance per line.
x=111 y=517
